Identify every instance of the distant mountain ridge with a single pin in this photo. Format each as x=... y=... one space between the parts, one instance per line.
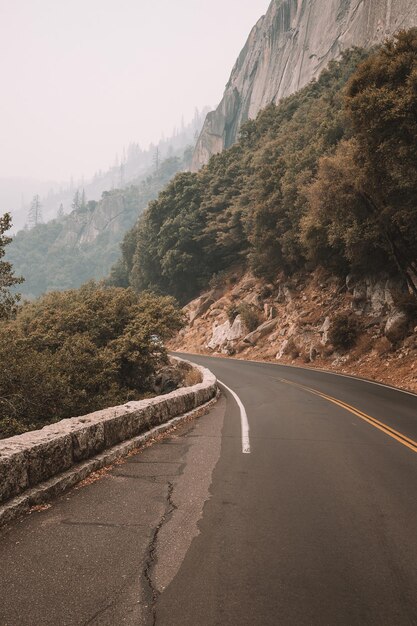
x=129 y=168
x=66 y=252
x=287 y=48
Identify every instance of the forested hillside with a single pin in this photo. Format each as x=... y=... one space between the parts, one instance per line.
x=66 y=252
x=327 y=177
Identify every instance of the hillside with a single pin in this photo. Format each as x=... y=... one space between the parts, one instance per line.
x=246 y=204
x=288 y=47
x=321 y=185
x=353 y=326
x=64 y=253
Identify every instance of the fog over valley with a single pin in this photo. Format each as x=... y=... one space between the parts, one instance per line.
x=94 y=77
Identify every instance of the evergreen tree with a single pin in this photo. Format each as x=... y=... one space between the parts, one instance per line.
x=76 y=202
x=83 y=202
x=8 y=300
x=156 y=159
x=35 y=212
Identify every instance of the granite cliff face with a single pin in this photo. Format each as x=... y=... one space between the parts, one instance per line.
x=290 y=46
x=114 y=214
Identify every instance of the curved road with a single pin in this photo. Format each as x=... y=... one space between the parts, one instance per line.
x=304 y=511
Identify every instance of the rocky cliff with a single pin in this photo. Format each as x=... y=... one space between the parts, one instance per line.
x=113 y=215
x=290 y=46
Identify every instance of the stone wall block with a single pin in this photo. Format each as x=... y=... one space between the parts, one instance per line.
x=140 y=421
x=118 y=428
x=13 y=472
x=47 y=455
x=88 y=440
x=161 y=412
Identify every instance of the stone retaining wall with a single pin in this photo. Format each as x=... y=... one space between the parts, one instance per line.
x=34 y=457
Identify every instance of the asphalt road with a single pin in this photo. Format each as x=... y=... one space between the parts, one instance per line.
x=316 y=525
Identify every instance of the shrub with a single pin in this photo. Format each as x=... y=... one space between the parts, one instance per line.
x=249 y=315
x=364 y=345
x=383 y=346
x=232 y=312
x=407 y=303
x=78 y=351
x=344 y=331
x=266 y=292
x=291 y=349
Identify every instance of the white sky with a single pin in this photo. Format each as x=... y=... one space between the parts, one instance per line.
x=82 y=78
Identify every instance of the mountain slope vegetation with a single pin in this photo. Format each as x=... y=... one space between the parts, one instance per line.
x=66 y=252
x=327 y=177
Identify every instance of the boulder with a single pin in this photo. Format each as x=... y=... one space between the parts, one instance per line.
x=219 y=335
x=282 y=349
x=270 y=311
x=254 y=299
x=374 y=295
x=397 y=326
x=201 y=306
x=237 y=329
x=264 y=329
x=324 y=331
x=168 y=379
x=224 y=333
x=285 y=294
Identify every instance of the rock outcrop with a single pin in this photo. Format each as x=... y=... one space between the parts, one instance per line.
x=111 y=215
x=290 y=46
x=295 y=321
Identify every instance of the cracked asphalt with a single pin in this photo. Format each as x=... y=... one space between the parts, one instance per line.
x=91 y=558
x=316 y=526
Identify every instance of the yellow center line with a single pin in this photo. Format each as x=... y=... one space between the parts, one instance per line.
x=406 y=441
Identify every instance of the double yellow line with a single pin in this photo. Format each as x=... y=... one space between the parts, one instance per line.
x=406 y=441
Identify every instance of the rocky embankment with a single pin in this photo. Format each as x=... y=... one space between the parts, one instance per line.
x=361 y=326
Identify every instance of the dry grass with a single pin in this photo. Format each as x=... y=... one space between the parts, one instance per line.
x=382 y=346
x=192 y=377
x=37 y=508
x=364 y=345
x=314 y=316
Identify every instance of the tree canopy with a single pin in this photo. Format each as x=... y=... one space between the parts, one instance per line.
x=246 y=205
x=363 y=203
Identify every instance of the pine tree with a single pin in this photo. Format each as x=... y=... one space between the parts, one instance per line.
x=156 y=159
x=76 y=202
x=60 y=213
x=8 y=300
x=35 y=212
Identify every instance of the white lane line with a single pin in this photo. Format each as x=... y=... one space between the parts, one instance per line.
x=243 y=419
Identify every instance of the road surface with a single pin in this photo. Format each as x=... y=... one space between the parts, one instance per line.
x=293 y=502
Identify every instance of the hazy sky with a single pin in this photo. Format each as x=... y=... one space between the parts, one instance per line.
x=82 y=78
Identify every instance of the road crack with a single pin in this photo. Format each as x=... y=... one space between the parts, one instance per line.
x=151 y=560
